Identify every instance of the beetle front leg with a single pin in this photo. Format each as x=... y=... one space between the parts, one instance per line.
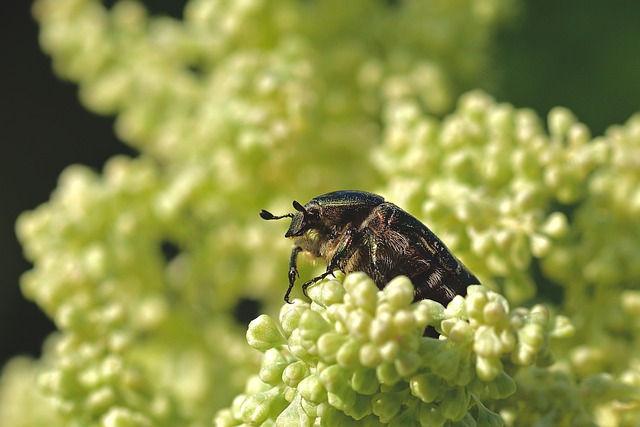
x=338 y=261
x=293 y=271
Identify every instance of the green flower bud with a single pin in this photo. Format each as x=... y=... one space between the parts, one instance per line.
x=404 y=418
x=429 y=415
x=459 y=332
x=362 y=292
x=446 y=363
x=524 y=355
x=456 y=308
x=358 y=323
x=344 y=400
x=487 y=418
x=293 y=415
x=533 y=336
x=381 y=328
x=501 y=387
x=100 y=400
x=349 y=354
x=488 y=368
x=562 y=328
x=305 y=350
x=360 y=408
x=399 y=292
x=312 y=390
x=487 y=343
x=404 y=320
x=365 y=381
x=387 y=373
x=273 y=364
x=257 y=408
x=335 y=379
x=389 y=351
x=474 y=304
x=329 y=344
x=387 y=405
x=427 y=312
x=332 y=293
x=290 y=315
x=455 y=403
x=407 y=363
x=556 y=225
x=312 y=325
x=294 y=373
x=370 y=355
x=427 y=387
x=123 y=417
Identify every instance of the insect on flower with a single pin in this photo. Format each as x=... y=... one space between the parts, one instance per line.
x=359 y=231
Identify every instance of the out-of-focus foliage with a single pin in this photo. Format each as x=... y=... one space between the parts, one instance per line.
x=246 y=104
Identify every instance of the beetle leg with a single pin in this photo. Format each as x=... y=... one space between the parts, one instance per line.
x=293 y=271
x=338 y=261
x=376 y=274
x=306 y=284
x=343 y=252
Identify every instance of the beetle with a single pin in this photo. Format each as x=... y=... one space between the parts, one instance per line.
x=359 y=231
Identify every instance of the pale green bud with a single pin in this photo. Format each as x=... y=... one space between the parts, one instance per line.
x=362 y=291
x=294 y=373
x=387 y=405
x=360 y=408
x=399 y=292
x=429 y=415
x=389 y=351
x=365 y=381
x=312 y=390
x=428 y=312
x=329 y=344
x=404 y=321
x=335 y=379
x=343 y=399
x=407 y=363
x=455 y=403
x=312 y=325
x=381 y=328
x=488 y=368
x=501 y=387
x=487 y=343
x=370 y=355
x=349 y=354
x=556 y=225
x=290 y=316
x=332 y=293
x=124 y=417
x=273 y=364
x=459 y=331
x=387 y=373
x=293 y=415
x=358 y=323
x=474 y=304
x=427 y=387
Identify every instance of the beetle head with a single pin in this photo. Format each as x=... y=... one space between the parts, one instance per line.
x=306 y=218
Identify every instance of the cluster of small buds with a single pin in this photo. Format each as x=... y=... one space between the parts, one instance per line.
x=485 y=179
x=355 y=353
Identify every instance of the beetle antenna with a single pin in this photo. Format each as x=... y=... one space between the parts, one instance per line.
x=269 y=216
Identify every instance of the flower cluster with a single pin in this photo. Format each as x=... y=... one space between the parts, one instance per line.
x=355 y=353
x=247 y=104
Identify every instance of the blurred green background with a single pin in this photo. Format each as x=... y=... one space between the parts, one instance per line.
x=584 y=55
